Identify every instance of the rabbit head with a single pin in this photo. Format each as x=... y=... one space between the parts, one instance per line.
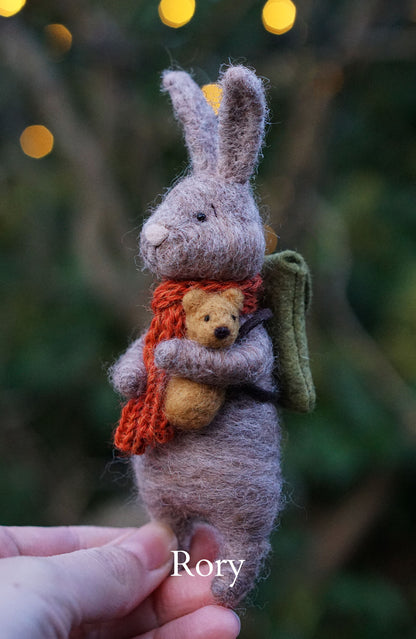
x=208 y=225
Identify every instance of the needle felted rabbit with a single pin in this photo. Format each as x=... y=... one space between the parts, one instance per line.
x=207 y=233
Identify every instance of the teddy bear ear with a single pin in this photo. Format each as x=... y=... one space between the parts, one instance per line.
x=235 y=296
x=192 y=299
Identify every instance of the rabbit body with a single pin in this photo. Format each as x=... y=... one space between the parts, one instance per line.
x=208 y=227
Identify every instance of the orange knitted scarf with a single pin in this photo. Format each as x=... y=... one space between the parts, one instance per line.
x=142 y=421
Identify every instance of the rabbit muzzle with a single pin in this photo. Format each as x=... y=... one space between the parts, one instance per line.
x=155 y=234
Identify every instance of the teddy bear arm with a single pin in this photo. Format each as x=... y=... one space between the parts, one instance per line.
x=128 y=375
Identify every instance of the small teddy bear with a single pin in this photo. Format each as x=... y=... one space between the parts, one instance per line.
x=212 y=320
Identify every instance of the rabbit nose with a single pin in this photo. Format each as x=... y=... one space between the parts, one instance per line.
x=155 y=234
x=221 y=332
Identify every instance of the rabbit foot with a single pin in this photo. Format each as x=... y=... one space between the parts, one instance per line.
x=228 y=589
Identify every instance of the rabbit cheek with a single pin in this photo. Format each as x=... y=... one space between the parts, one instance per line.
x=148 y=254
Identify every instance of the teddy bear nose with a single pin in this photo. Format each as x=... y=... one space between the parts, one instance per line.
x=155 y=234
x=221 y=332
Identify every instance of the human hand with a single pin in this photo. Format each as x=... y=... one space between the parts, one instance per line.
x=104 y=583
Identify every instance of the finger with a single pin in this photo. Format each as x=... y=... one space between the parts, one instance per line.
x=210 y=622
x=93 y=585
x=179 y=596
x=104 y=583
x=44 y=542
x=175 y=597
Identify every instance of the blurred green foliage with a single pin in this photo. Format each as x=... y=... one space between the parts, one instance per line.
x=337 y=183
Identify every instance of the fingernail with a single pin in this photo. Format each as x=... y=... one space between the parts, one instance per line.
x=153 y=544
x=238 y=621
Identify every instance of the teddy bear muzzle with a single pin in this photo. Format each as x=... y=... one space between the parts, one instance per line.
x=221 y=332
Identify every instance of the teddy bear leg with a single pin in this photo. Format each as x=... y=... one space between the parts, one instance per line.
x=191 y=405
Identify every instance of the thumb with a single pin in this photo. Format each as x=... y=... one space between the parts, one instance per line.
x=108 y=582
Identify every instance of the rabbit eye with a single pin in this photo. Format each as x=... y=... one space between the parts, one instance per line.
x=206 y=318
x=201 y=217
x=233 y=317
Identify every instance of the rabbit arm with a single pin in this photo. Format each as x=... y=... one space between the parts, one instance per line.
x=128 y=375
x=244 y=362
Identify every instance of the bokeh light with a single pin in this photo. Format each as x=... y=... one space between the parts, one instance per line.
x=176 y=13
x=271 y=239
x=278 y=16
x=213 y=94
x=11 y=7
x=36 y=141
x=59 y=38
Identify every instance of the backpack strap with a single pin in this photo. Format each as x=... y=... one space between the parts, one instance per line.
x=257 y=318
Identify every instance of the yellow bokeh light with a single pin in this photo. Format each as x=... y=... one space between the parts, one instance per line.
x=59 y=38
x=213 y=94
x=176 y=13
x=36 y=141
x=11 y=7
x=271 y=239
x=278 y=16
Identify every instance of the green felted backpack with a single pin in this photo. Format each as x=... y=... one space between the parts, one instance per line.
x=287 y=291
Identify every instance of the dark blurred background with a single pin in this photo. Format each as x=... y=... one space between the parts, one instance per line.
x=336 y=183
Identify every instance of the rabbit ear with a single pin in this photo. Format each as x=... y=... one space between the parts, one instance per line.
x=197 y=117
x=242 y=117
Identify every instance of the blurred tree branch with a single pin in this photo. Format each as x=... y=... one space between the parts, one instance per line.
x=100 y=214
x=349 y=334
x=336 y=534
x=318 y=78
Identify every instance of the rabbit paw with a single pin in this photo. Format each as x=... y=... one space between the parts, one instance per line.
x=166 y=353
x=128 y=383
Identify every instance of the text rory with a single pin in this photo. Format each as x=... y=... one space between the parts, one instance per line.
x=210 y=566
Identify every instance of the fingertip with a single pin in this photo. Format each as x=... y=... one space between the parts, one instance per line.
x=212 y=622
x=179 y=596
x=230 y=622
x=152 y=544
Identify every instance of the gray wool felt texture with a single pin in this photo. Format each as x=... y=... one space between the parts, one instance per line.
x=227 y=474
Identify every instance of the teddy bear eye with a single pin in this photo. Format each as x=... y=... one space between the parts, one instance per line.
x=206 y=318
x=201 y=217
x=234 y=317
